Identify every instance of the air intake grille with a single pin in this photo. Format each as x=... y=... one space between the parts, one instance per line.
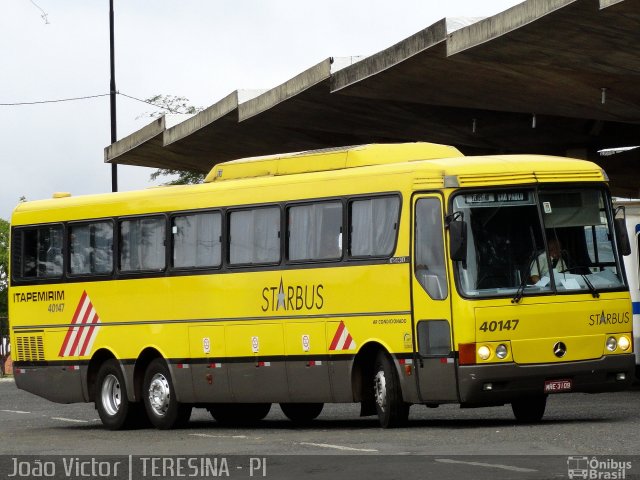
x=29 y=348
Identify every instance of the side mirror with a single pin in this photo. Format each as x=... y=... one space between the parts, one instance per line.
x=458 y=240
x=620 y=227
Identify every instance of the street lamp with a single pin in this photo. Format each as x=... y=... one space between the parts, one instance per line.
x=112 y=97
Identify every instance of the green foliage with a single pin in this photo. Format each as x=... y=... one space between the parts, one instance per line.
x=4 y=265
x=184 y=177
x=180 y=105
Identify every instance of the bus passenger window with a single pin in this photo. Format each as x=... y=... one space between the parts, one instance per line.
x=91 y=248
x=374 y=226
x=41 y=253
x=196 y=240
x=142 y=244
x=429 y=246
x=315 y=231
x=254 y=236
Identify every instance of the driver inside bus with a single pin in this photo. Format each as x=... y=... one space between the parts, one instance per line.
x=540 y=267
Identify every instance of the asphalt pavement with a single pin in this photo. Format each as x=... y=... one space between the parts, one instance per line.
x=446 y=442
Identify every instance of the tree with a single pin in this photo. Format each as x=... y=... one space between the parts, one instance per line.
x=179 y=105
x=4 y=265
x=183 y=177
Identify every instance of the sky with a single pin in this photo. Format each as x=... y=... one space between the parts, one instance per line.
x=198 y=49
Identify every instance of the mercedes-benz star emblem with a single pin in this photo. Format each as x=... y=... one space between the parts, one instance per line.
x=559 y=349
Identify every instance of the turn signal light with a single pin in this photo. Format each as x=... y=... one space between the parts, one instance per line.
x=467 y=353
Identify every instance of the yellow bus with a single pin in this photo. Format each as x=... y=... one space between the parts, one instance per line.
x=387 y=275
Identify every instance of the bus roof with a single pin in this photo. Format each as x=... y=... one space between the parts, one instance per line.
x=329 y=159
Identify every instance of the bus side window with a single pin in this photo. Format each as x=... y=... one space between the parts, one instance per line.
x=254 y=236
x=374 y=226
x=430 y=267
x=142 y=244
x=314 y=231
x=91 y=248
x=197 y=240
x=41 y=253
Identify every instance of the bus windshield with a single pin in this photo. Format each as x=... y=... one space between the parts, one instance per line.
x=537 y=241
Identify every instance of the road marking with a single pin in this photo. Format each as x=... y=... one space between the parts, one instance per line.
x=206 y=435
x=14 y=411
x=72 y=420
x=487 y=465
x=6 y=379
x=338 y=447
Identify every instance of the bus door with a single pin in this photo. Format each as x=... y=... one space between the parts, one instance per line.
x=433 y=352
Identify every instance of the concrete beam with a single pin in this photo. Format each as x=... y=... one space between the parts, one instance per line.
x=285 y=91
x=391 y=56
x=502 y=23
x=151 y=133
x=200 y=120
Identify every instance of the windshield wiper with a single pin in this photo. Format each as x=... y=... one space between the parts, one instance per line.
x=594 y=292
x=523 y=283
x=592 y=289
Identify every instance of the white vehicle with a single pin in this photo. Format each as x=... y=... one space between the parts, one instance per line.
x=632 y=267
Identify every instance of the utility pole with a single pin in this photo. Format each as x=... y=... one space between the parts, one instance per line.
x=112 y=97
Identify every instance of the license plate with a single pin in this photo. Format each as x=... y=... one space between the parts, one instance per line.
x=556 y=386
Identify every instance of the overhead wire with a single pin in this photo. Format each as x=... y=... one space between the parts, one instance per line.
x=86 y=97
x=59 y=100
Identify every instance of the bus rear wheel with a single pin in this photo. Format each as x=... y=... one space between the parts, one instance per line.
x=530 y=409
x=392 y=410
x=301 y=413
x=239 y=413
x=114 y=409
x=163 y=409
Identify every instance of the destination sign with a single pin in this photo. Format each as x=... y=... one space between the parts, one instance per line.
x=496 y=197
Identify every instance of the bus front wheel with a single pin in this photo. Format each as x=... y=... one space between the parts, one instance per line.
x=392 y=410
x=163 y=409
x=530 y=409
x=301 y=413
x=114 y=409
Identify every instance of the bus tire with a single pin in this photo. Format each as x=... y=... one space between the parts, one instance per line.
x=301 y=413
x=392 y=410
x=163 y=409
x=529 y=409
x=114 y=408
x=239 y=413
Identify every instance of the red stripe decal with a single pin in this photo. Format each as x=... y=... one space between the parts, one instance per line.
x=75 y=320
x=336 y=337
x=77 y=339
x=94 y=321
x=347 y=343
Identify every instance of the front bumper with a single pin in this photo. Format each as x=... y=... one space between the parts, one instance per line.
x=510 y=381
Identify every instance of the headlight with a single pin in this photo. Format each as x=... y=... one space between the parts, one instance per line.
x=484 y=352
x=624 y=343
x=611 y=344
x=502 y=351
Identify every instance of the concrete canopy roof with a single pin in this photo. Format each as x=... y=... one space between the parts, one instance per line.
x=546 y=76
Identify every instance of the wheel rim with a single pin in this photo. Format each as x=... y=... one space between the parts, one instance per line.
x=380 y=390
x=111 y=394
x=159 y=394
